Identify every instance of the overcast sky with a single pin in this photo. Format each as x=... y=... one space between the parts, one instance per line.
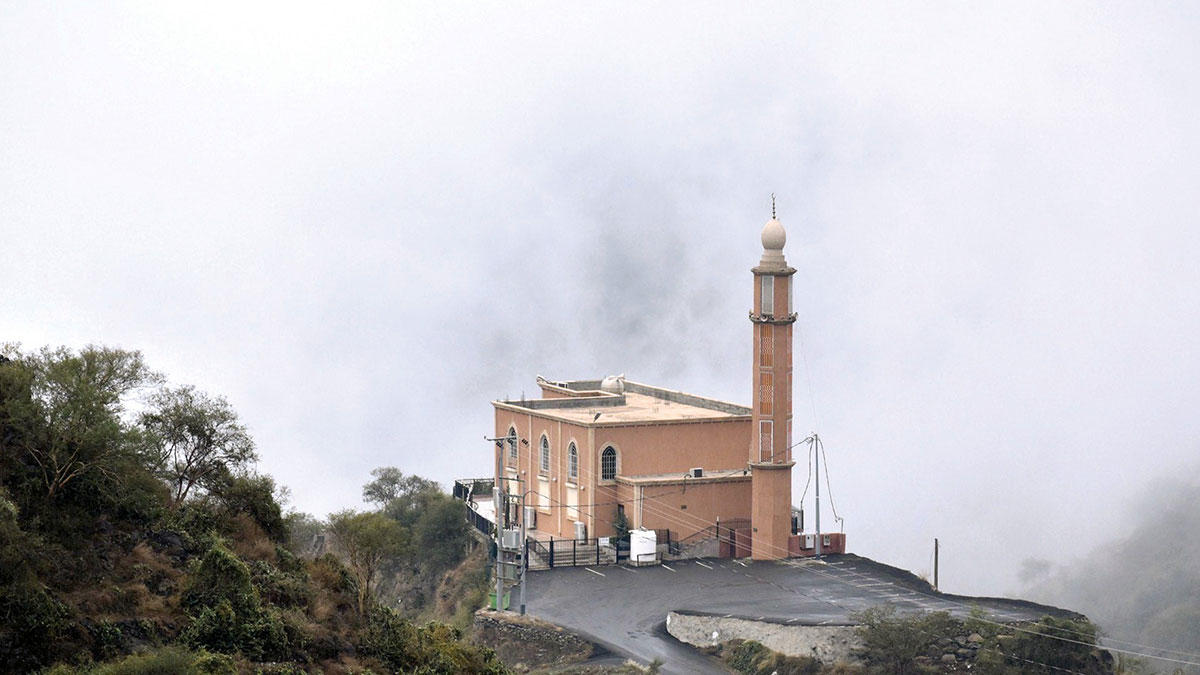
x=362 y=224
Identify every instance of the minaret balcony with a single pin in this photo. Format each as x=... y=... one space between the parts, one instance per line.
x=774 y=320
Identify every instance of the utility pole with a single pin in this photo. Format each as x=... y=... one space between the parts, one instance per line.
x=524 y=568
x=935 y=563
x=497 y=505
x=500 y=512
x=817 y=456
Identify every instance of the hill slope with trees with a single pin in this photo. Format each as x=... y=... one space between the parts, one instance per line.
x=136 y=536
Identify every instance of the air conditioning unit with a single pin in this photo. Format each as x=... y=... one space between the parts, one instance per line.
x=697 y=472
x=531 y=517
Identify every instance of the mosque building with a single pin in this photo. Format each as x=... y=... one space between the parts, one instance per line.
x=592 y=453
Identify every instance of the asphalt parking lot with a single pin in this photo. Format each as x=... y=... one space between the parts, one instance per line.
x=624 y=608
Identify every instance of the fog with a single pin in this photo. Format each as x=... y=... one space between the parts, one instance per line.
x=363 y=225
x=1143 y=586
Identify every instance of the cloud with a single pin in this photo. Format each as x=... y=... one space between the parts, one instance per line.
x=363 y=226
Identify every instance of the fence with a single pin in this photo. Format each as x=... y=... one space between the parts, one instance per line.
x=574 y=552
x=480 y=522
x=465 y=489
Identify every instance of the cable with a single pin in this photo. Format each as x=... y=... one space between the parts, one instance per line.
x=665 y=513
x=821 y=445
x=666 y=516
x=812 y=399
x=1076 y=632
x=1019 y=628
x=810 y=472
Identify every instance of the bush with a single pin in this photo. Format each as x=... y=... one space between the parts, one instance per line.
x=754 y=658
x=279 y=589
x=892 y=643
x=432 y=649
x=227 y=611
x=1048 y=646
x=255 y=497
x=220 y=577
x=163 y=661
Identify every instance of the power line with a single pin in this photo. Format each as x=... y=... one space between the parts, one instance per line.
x=666 y=512
x=1016 y=627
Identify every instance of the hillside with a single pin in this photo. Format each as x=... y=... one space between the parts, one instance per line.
x=147 y=543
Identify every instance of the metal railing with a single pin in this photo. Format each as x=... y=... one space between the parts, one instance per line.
x=552 y=553
x=465 y=489
x=480 y=522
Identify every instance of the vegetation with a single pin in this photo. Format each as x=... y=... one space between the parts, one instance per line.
x=415 y=577
x=196 y=440
x=146 y=543
x=1152 y=564
x=920 y=643
x=752 y=658
x=367 y=539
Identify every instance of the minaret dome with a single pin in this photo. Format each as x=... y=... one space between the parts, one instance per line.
x=773 y=239
x=773 y=236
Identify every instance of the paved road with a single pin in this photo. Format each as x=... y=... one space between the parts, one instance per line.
x=624 y=608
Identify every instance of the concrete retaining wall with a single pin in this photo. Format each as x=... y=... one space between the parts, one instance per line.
x=524 y=642
x=829 y=644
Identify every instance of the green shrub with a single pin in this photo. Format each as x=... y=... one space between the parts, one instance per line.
x=892 y=643
x=107 y=639
x=279 y=589
x=753 y=658
x=228 y=615
x=166 y=661
x=254 y=496
x=432 y=649
x=744 y=656
x=288 y=562
x=220 y=576
x=330 y=573
x=34 y=627
x=1047 y=647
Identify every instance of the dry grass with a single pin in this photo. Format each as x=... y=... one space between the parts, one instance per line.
x=249 y=541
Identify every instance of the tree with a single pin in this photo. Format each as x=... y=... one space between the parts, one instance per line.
x=196 y=439
x=403 y=498
x=442 y=532
x=394 y=491
x=367 y=540
x=67 y=419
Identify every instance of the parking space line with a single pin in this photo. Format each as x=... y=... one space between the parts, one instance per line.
x=703 y=565
x=593 y=571
x=668 y=568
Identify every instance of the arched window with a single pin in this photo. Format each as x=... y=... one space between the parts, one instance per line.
x=572 y=462
x=512 y=443
x=608 y=464
x=545 y=454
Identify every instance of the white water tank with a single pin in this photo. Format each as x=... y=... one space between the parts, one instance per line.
x=643 y=546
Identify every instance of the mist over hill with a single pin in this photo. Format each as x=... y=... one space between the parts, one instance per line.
x=1144 y=586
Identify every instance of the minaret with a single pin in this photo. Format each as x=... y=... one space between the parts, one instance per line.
x=771 y=440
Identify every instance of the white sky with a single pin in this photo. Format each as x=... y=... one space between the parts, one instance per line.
x=363 y=224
